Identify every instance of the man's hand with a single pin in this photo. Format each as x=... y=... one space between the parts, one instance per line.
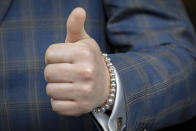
x=77 y=76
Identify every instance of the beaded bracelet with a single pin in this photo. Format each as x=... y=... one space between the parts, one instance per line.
x=112 y=95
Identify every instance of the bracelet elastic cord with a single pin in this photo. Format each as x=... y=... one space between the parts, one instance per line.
x=112 y=95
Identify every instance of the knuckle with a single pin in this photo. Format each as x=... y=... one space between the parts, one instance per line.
x=83 y=52
x=87 y=73
x=86 y=53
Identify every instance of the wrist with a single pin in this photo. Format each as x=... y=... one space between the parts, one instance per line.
x=108 y=105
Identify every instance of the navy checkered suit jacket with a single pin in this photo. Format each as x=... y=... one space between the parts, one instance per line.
x=151 y=43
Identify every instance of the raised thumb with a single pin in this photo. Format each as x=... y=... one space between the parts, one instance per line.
x=75 y=26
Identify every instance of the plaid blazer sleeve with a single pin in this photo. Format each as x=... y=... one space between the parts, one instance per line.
x=154 y=44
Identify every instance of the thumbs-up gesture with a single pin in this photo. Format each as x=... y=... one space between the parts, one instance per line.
x=77 y=76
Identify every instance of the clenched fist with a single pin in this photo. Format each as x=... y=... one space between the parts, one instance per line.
x=77 y=76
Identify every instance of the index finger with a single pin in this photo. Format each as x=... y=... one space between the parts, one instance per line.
x=59 y=53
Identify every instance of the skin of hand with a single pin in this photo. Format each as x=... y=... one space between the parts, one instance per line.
x=77 y=76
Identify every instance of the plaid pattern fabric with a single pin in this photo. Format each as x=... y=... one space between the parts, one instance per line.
x=151 y=43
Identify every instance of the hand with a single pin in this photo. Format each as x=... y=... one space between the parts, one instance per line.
x=77 y=76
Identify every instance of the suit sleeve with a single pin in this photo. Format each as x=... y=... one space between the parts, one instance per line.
x=154 y=54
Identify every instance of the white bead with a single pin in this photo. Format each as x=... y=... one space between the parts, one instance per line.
x=104 y=54
x=98 y=110
x=108 y=59
x=109 y=64
x=111 y=69
x=113 y=85
x=113 y=90
x=113 y=76
x=103 y=109
x=107 y=106
x=112 y=95
x=113 y=80
x=110 y=101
